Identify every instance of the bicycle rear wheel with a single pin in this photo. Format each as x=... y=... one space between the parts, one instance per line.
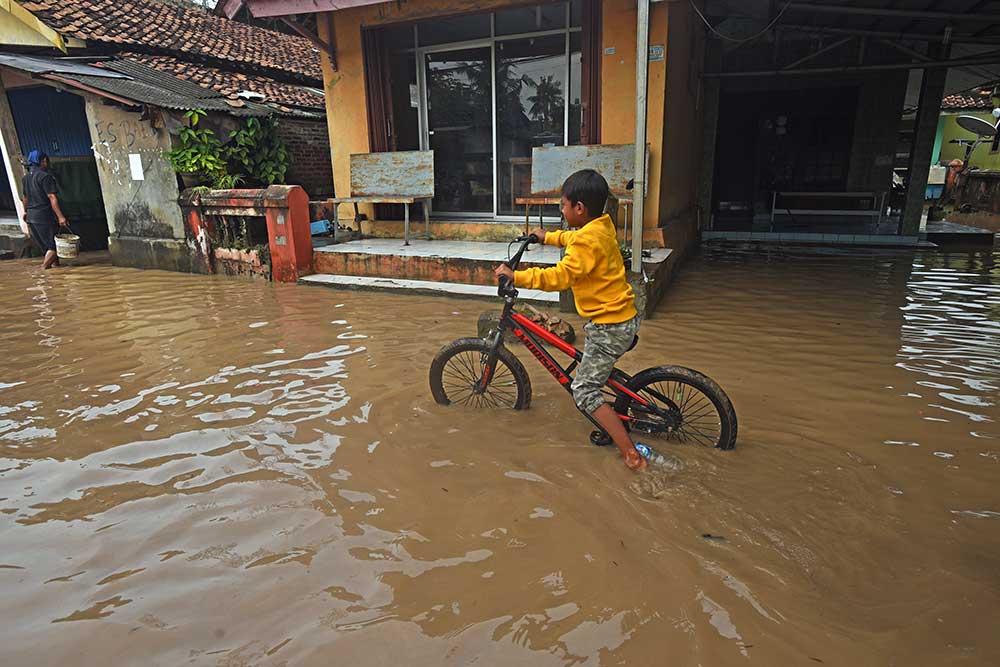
x=458 y=369
x=684 y=406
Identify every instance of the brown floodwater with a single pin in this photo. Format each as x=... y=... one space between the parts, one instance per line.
x=200 y=470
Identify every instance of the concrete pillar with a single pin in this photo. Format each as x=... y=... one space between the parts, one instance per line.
x=287 y=214
x=10 y=146
x=285 y=209
x=924 y=133
x=710 y=131
x=876 y=131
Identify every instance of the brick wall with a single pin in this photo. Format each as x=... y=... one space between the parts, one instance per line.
x=308 y=155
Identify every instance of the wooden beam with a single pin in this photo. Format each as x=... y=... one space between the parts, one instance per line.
x=271 y=8
x=303 y=32
x=889 y=34
x=991 y=58
x=814 y=54
x=228 y=8
x=945 y=17
x=76 y=84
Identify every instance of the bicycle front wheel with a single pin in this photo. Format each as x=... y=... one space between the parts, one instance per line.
x=458 y=369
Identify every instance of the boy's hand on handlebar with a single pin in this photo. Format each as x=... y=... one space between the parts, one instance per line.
x=539 y=234
x=504 y=270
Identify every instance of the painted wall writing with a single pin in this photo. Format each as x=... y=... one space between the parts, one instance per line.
x=140 y=187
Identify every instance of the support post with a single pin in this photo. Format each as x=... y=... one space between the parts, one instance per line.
x=11 y=148
x=641 y=81
x=925 y=130
x=406 y=224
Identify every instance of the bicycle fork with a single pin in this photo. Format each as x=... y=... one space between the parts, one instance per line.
x=488 y=360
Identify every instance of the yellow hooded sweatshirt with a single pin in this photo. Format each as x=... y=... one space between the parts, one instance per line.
x=593 y=267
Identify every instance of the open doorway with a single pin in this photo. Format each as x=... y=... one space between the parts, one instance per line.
x=55 y=122
x=792 y=142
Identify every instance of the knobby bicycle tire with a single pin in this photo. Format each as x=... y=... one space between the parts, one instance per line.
x=675 y=380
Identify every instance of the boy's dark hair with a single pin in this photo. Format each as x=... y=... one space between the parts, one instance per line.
x=589 y=187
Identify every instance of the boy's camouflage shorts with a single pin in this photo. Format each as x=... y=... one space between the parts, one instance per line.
x=606 y=343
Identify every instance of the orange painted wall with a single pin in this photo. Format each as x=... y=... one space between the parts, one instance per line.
x=618 y=89
x=345 y=88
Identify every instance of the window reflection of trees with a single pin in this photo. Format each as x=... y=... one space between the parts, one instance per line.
x=460 y=92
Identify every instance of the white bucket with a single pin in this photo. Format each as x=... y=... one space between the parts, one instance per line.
x=67 y=245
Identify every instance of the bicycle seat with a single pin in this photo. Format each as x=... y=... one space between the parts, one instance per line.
x=635 y=341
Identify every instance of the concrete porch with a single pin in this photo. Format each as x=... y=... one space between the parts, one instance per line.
x=454 y=268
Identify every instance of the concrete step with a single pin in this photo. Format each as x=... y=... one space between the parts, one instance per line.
x=943 y=233
x=461 y=262
x=430 y=287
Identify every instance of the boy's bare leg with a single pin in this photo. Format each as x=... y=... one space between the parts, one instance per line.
x=609 y=419
x=50 y=258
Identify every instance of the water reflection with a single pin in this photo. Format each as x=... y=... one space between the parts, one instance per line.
x=951 y=333
x=206 y=470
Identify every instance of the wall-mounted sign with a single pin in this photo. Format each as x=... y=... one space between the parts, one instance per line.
x=135 y=166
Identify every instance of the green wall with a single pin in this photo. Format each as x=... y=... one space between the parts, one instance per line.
x=948 y=129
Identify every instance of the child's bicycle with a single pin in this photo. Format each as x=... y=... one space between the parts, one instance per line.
x=670 y=402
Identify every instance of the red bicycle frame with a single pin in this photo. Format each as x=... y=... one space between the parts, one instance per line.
x=525 y=331
x=530 y=334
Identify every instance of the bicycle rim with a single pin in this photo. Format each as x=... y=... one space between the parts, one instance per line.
x=462 y=374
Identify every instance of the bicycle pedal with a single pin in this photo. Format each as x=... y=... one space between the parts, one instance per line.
x=600 y=438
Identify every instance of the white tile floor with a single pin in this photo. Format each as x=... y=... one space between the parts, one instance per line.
x=425 y=286
x=474 y=250
x=493 y=253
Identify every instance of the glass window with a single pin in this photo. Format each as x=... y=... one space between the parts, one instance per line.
x=460 y=125
x=454 y=29
x=531 y=106
x=531 y=19
x=483 y=153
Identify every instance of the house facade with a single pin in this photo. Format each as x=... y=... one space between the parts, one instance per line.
x=483 y=83
x=951 y=140
x=103 y=86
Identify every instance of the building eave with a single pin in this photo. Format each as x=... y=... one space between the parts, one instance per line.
x=37 y=26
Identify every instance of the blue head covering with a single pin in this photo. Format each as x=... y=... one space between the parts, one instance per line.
x=35 y=158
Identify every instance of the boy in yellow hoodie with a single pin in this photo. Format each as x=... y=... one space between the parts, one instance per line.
x=594 y=268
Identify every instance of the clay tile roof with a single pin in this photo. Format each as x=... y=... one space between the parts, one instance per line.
x=229 y=83
x=967 y=100
x=160 y=27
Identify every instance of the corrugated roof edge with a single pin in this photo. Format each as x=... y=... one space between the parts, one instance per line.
x=126 y=80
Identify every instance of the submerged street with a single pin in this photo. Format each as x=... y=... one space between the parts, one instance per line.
x=219 y=471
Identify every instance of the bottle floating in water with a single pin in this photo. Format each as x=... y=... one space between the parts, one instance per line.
x=657 y=458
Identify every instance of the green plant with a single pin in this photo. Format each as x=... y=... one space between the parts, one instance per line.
x=227 y=181
x=257 y=151
x=200 y=151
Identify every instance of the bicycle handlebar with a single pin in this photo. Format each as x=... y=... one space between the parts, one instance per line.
x=504 y=284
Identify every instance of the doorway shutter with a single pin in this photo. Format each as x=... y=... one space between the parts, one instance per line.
x=592 y=49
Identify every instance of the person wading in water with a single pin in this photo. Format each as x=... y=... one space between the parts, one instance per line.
x=41 y=204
